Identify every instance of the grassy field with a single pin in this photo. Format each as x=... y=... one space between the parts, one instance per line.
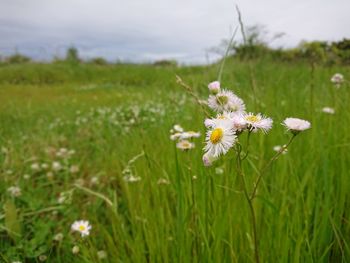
x=92 y=142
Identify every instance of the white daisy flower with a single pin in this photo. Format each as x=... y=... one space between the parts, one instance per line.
x=75 y=250
x=220 y=139
x=185 y=145
x=337 y=79
x=163 y=181
x=101 y=254
x=221 y=117
x=214 y=87
x=58 y=237
x=82 y=226
x=239 y=123
x=35 y=167
x=296 y=125
x=74 y=169
x=14 y=191
x=226 y=100
x=44 y=166
x=175 y=136
x=328 y=110
x=208 y=159
x=131 y=178
x=189 y=134
x=258 y=122
x=56 y=166
x=178 y=128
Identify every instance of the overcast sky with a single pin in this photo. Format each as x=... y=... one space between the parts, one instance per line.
x=146 y=30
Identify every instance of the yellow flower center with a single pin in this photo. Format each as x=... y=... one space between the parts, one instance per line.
x=221 y=117
x=216 y=135
x=82 y=228
x=222 y=100
x=252 y=118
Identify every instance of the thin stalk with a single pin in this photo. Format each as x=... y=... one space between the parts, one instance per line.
x=268 y=164
x=251 y=72
x=193 y=94
x=226 y=54
x=250 y=203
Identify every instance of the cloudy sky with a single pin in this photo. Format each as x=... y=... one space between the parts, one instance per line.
x=147 y=30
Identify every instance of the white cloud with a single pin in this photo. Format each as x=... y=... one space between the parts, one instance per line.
x=138 y=29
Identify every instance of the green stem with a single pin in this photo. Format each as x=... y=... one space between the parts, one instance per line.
x=250 y=203
x=269 y=163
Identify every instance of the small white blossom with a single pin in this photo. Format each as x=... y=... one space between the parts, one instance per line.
x=58 y=237
x=337 y=79
x=14 y=191
x=296 y=125
x=56 y=166
x=82 y=226
x=185 y=145
x=75 y=250
x=328 y=110
x=101 y=254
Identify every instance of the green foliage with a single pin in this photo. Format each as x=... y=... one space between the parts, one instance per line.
x=17 y=59
x=72 y=55
x=108 y=115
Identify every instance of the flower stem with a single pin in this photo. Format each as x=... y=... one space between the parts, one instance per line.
x=250 y=203
x=269 y=163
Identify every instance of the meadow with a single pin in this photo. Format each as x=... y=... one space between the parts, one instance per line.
x=89 y=142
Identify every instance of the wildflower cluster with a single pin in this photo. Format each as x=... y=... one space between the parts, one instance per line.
x=231 y=120
x=183 y=138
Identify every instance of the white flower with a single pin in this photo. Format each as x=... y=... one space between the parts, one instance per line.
x=35 y=167
x=185 y=145
x=296 y=125
x=75 y=250
x=178 y=128
x=337 y=78
x=44 y=166
x=278 y=148
x=94 y=180
x=82 y=226
x=58 y=237
x=163 y=181
x=226 y=100
x=328 y=110
x=131 y=178
x=189 y=134
x=175 y=136
x=42 y=258
x=101 y=254
x=239 y=123
x=220 y=139
x=14 y=191
x=74 y=169
x=258 y=122
x=56 y=166
x=208 y=159
x=26 y=177
x=225 y=117
x=214 y=87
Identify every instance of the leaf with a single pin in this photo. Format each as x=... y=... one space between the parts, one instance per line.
x=12 y=222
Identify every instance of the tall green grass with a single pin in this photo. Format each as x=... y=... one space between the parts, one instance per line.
x=302 y=205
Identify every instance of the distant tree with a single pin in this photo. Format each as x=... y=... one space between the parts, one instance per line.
x=98 y=61
x=17 y=59
x=72 y=55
